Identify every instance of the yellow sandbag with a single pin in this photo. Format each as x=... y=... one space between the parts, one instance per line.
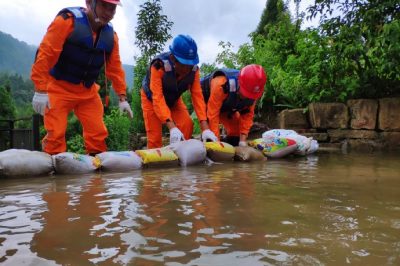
x=247 y=154
x=220 y=151
x=160 y=156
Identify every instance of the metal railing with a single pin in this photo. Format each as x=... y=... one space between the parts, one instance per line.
x=17 y=138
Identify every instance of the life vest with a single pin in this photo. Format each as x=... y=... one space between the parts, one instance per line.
x=172 y=89
x=82 y=58
x=233 y=103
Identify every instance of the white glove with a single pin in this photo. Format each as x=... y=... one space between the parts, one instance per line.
x=242 y=143
x=39 y=102
x=208 y=135
x=175 y=135
x=125 y=107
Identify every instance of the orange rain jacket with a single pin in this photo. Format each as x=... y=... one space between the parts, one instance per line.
x=238 y=124
x=157 y=112
x=65 y=96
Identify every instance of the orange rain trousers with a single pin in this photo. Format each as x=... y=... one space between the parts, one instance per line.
x=88 y=108
x=180 y=116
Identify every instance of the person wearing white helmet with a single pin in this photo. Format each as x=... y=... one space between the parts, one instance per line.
x=171 y=74
x=78 y=43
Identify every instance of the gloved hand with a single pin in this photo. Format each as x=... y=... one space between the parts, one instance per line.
x=208 y=135
x=125 y=107
x=175 y=135
x=242 y=143
x=40 y=101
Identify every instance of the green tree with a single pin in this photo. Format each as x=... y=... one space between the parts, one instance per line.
x=152 y=31
x=7 y=106
x=363 y=45
x=7 y=111
x=271 y=15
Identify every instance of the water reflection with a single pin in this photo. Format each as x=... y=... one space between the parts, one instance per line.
x=325 y=209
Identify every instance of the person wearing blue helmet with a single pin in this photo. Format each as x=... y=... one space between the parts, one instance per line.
x=171 y=74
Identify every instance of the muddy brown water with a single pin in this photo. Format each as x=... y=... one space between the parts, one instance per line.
x=324 y=209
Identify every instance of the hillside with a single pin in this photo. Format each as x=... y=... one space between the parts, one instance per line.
x=16 y=57
x=128 y=75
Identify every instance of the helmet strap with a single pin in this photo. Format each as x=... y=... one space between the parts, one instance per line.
x=93 y=7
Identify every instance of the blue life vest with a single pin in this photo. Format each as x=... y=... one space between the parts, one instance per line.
x=82 y=58
x=233 y=103
x=172 y=89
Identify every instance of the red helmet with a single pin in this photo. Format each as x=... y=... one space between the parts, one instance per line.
x=252 y=79
x=115 y=2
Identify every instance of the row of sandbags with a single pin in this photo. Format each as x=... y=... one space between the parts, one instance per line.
x=190 y=152
x=19 y=162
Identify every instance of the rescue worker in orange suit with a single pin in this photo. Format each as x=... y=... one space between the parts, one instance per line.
x=171 y=74
x=78 y=43
x=231 y=97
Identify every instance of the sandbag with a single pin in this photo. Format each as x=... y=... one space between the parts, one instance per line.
x=189 y=152
x=73 y=163
x=158 y=157
x=274 y=147
x=20 y=162
x=119 y=161
x=220 y=151
x=248 y=154
x=304 y=145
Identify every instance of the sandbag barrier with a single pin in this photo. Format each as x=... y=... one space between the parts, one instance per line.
x=275 y=143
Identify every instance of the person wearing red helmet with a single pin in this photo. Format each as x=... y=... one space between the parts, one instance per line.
x=171 y=74
x=231 y=97
x=78 y=43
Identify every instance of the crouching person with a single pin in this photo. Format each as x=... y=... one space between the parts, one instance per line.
x=171 y=74
x=231 y=97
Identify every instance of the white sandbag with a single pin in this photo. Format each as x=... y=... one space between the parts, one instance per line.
x=274 y=147
x=73 y=163
x=189 y=152
x=15 y=162
x=119 y=161
x=304 y=145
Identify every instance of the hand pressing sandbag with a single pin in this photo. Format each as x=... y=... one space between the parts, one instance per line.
x=189 y=152
x=220 y=151
x=248 y=154
x=16 y=162
x=73 y=163
x=158 y=157
x=274 y=147
x=119 y=161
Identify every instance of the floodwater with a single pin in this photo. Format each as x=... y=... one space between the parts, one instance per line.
x=324 y=209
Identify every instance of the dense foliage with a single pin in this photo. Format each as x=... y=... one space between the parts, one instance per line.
x=7 y=106
x=354 y=54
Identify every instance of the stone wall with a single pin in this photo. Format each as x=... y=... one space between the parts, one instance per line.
x=363 y=124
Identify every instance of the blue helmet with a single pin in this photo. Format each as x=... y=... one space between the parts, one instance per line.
x=184 y=48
